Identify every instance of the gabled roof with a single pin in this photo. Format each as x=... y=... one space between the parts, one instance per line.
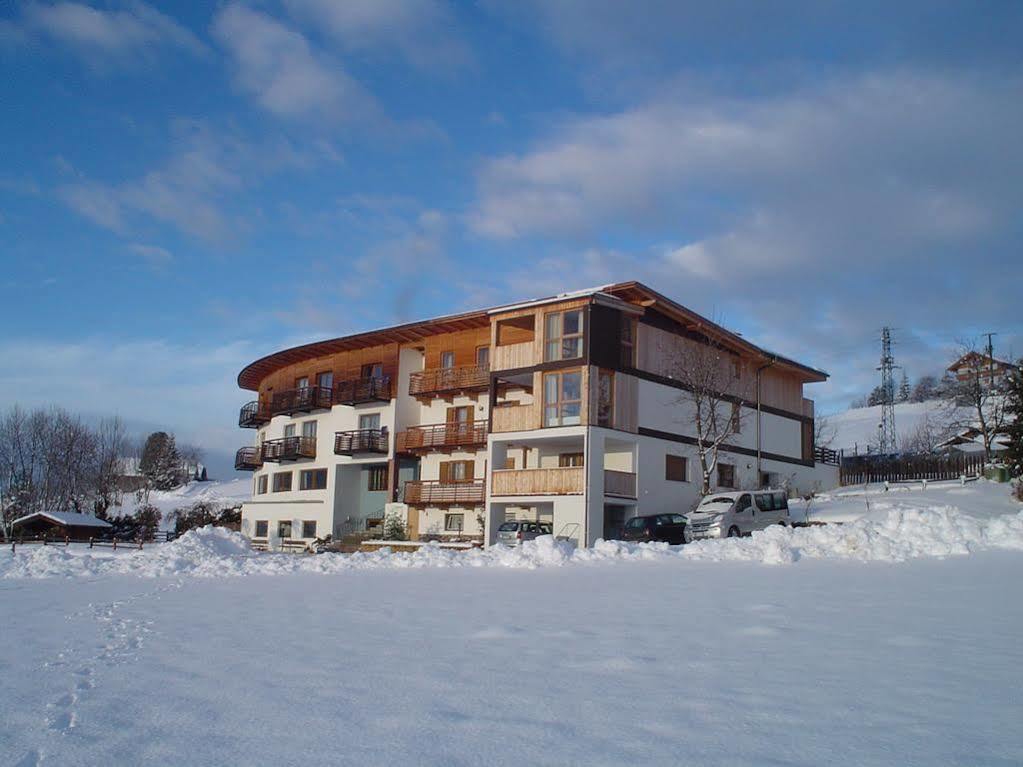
x=66 y=518
x=973 y=356
x=632 y=292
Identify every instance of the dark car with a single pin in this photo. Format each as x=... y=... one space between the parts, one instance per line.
x=670 y=528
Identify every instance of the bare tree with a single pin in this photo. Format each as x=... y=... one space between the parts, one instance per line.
x=977 y=404
x=824 y=432
x=111 y=447
x=930 y=432
x=714 y=387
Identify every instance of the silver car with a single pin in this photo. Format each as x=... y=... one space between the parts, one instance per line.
x=735 y=513
x=512 y=533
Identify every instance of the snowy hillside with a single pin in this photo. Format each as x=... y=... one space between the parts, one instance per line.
x=856 y=428
x=220 y=493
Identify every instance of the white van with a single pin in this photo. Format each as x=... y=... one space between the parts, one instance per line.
x=738 y=512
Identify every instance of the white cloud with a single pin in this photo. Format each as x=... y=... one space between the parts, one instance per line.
x=190 y=388
x=284 y=73
x=153 y=255
x=421 y=30
x=194 y=188
x=101 y=35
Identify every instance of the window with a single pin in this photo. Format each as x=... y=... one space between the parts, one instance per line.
x=326 y=380
x=736 y=418
x=737 y=368
x=570 y=459
x=745 y=503
x=605 y=398
x=457 y=471
x=483 y=357
x=372 y=370
x=676 y=468
x=312 y=479
x=628 y=342
x=460 y=414
x=563 y=335
x=563 y=395
x=377 y=479
x=289 y=430
x=302 y=383
x=282 y=482
x=309 y=429
x=369 y=421
x=261 y=482
x=726 y=475
x=454 y=522
x=447 y=360
x=309 y=528
x=284 y=529
x=262 y=528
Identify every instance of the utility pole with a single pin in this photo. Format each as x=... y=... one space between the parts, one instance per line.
x=990 y=358
x=887 y=439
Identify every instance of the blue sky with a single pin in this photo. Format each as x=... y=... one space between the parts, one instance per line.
x=185 y=187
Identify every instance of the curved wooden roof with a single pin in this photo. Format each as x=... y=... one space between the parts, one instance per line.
x=632 y=292
x=256 y=371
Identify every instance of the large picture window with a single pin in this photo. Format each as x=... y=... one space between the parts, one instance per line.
x=282 y=482
x=563 y=335
x=312 y=479
x=563 y=398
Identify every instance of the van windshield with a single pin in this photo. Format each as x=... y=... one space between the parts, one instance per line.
x=718 y=499
x=636 y=522
x=508 y=527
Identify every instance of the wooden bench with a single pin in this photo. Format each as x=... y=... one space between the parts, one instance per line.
x=260 y=544
x=290 y=544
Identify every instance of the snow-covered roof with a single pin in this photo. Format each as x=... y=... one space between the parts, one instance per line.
x=69 y=518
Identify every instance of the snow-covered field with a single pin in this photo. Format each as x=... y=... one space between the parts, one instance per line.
x=892 y=640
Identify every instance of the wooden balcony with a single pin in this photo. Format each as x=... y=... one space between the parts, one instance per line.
x=561 y=480
x=361 y=390
x=252 y=416
x=514 y=418
x=360 y=441
x=303 y=400
x=620 y=483
x=248 y=459
x=440 y=382
x=442 y=437
x=433 y=493
x=289 y=449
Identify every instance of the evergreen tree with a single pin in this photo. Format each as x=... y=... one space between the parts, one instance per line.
x=1014 y=413
x=876 y=397
x=904 y=388
x=160 y=462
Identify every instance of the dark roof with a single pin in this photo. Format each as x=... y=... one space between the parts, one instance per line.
x=632 y=292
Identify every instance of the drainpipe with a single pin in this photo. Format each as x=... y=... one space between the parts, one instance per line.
x=760 y=370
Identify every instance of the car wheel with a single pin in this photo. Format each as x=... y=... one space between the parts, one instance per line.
x=733 y=532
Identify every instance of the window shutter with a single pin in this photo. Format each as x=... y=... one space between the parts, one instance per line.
x=470 y=467
x=445 y=471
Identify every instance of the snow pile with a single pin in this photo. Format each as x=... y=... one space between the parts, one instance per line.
x=902 y=534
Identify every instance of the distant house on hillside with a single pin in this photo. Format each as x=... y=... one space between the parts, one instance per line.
x=971 y=440
x=991 y=371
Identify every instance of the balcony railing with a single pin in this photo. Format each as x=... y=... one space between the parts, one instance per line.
x=433 y=493
x=512 y=417
x=248 y=459
x=448 y=380
x=301 y=400
x=289 y=449
x=362 y=390
x=360 y=441
x=253 y=415
x=560 y=480
x=442 y=437
x=620 y=483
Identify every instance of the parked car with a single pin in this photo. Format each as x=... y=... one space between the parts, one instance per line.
x=670 y=528
x=735 y=513
x=513 y=533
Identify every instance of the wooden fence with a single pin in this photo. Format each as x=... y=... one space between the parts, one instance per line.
x=161 y=536
x=863 y=469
